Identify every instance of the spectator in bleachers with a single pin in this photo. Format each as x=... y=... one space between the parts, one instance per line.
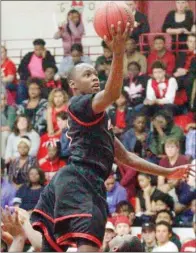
x=28 y=194
x=51 y=163
x=62 y=118
x=167 y=216
x=107 y=56
x=7 y=118
x=8 y=191
x=57 y=102
x=163 y=201
x=179 y=22
x=173 y=158
x=22 y=127
x=122 y=225
x=70 y=32
x=161 y=91
x=115 y=193
x=49 y=81
x=149 y=237
x=108 y=236
x=131 y=54
x=134 y=139
x=163 y=128
x=35 y=106
x=145 y=207
x=103 y=75
x=160 y=53
x=19 y=167
x=126 y=209
x=121 y=115
x=135 y=85
x=141 y=24
x=190 y=145
x=77 y=56
x=163 y=234
x=8 y=76
x=190 y=246
x=186 y=66
x=33 y=63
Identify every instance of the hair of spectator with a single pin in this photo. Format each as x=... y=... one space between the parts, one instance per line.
x=51 y=96
x=165 y=198
x=165 y=224
x=145 y=175
x=77 y=47
x=35 y=80
x=104 y=45
x=4 y=48
x=15 y=128
x=134 y=63
x=138 y=115
x=62 y=115
x=165 y=114
x=159 y=37
x=165 y=211
x=158 y=65
x=52 y=66
x=124 y=203
x=173 y=140
x=41 y=173
x=39 y=42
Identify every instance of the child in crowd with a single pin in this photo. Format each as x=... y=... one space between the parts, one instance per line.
x=121 y=115
x=135 y=85
x=115 y=193
x=148 y=237
x=101 y=60
x=161 y=91
x=163 y=234
x=51 y=163
x=122 y=226
x=49 y=81
x=58 y=100
x=108 y=236
x=28 y=194
x=19 y=167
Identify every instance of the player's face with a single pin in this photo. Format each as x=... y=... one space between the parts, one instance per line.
x=86 y=80
x=164 y=217
x=122 y=229
x=191 y=43
x=159 y=45
x=23 y=149
x=158 y=74
x=49 y=74
x=148 y=236
x=162 y=234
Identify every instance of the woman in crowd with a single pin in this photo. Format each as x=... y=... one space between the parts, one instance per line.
x=35 y=106
x=144 y=199
x=57 y=102
x=22 y=127
x=179 y=22
x=163 y=127
x=71 y=32
x=7 y=117
x=28 y=194
x=19 y=167
x=8 y=76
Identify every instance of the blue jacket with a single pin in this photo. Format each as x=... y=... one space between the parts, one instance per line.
x=65 y=152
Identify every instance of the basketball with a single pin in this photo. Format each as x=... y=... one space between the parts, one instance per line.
x=110 y=13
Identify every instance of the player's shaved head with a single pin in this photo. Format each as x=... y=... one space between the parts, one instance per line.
x=78 y=69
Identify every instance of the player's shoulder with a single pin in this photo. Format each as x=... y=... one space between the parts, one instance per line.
x=80 y=99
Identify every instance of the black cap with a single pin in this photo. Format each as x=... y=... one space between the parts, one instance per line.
x=148 y=226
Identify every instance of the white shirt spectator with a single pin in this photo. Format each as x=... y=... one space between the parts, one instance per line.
x=169 y=95
x=13 y=140
x=167 y=247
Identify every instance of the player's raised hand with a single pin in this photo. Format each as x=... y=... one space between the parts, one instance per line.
x=182 y=172
x=117 y=44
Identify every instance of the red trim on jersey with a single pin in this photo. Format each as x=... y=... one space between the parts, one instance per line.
x=47 y=236
x=85 y=123
x=63 y=217
x=80 y=235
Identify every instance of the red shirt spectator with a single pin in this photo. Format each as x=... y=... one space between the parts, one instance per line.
x=54 y=113
x=189 y=246
x=160 y=53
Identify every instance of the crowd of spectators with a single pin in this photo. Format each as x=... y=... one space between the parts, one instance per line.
x=154 y=117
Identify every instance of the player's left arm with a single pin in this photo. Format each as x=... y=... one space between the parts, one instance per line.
x=122 y=156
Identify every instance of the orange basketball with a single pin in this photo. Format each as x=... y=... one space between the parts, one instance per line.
x=110 y=13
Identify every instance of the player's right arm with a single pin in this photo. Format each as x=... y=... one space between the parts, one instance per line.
x=114 y=83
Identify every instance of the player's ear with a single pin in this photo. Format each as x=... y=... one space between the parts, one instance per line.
x=72 y=84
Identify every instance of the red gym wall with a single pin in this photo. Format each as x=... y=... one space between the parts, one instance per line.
x=157 y=11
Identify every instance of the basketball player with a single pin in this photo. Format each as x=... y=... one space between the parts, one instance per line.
x=72 y=209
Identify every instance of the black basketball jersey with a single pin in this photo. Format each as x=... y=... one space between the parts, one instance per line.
x=91 y=136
